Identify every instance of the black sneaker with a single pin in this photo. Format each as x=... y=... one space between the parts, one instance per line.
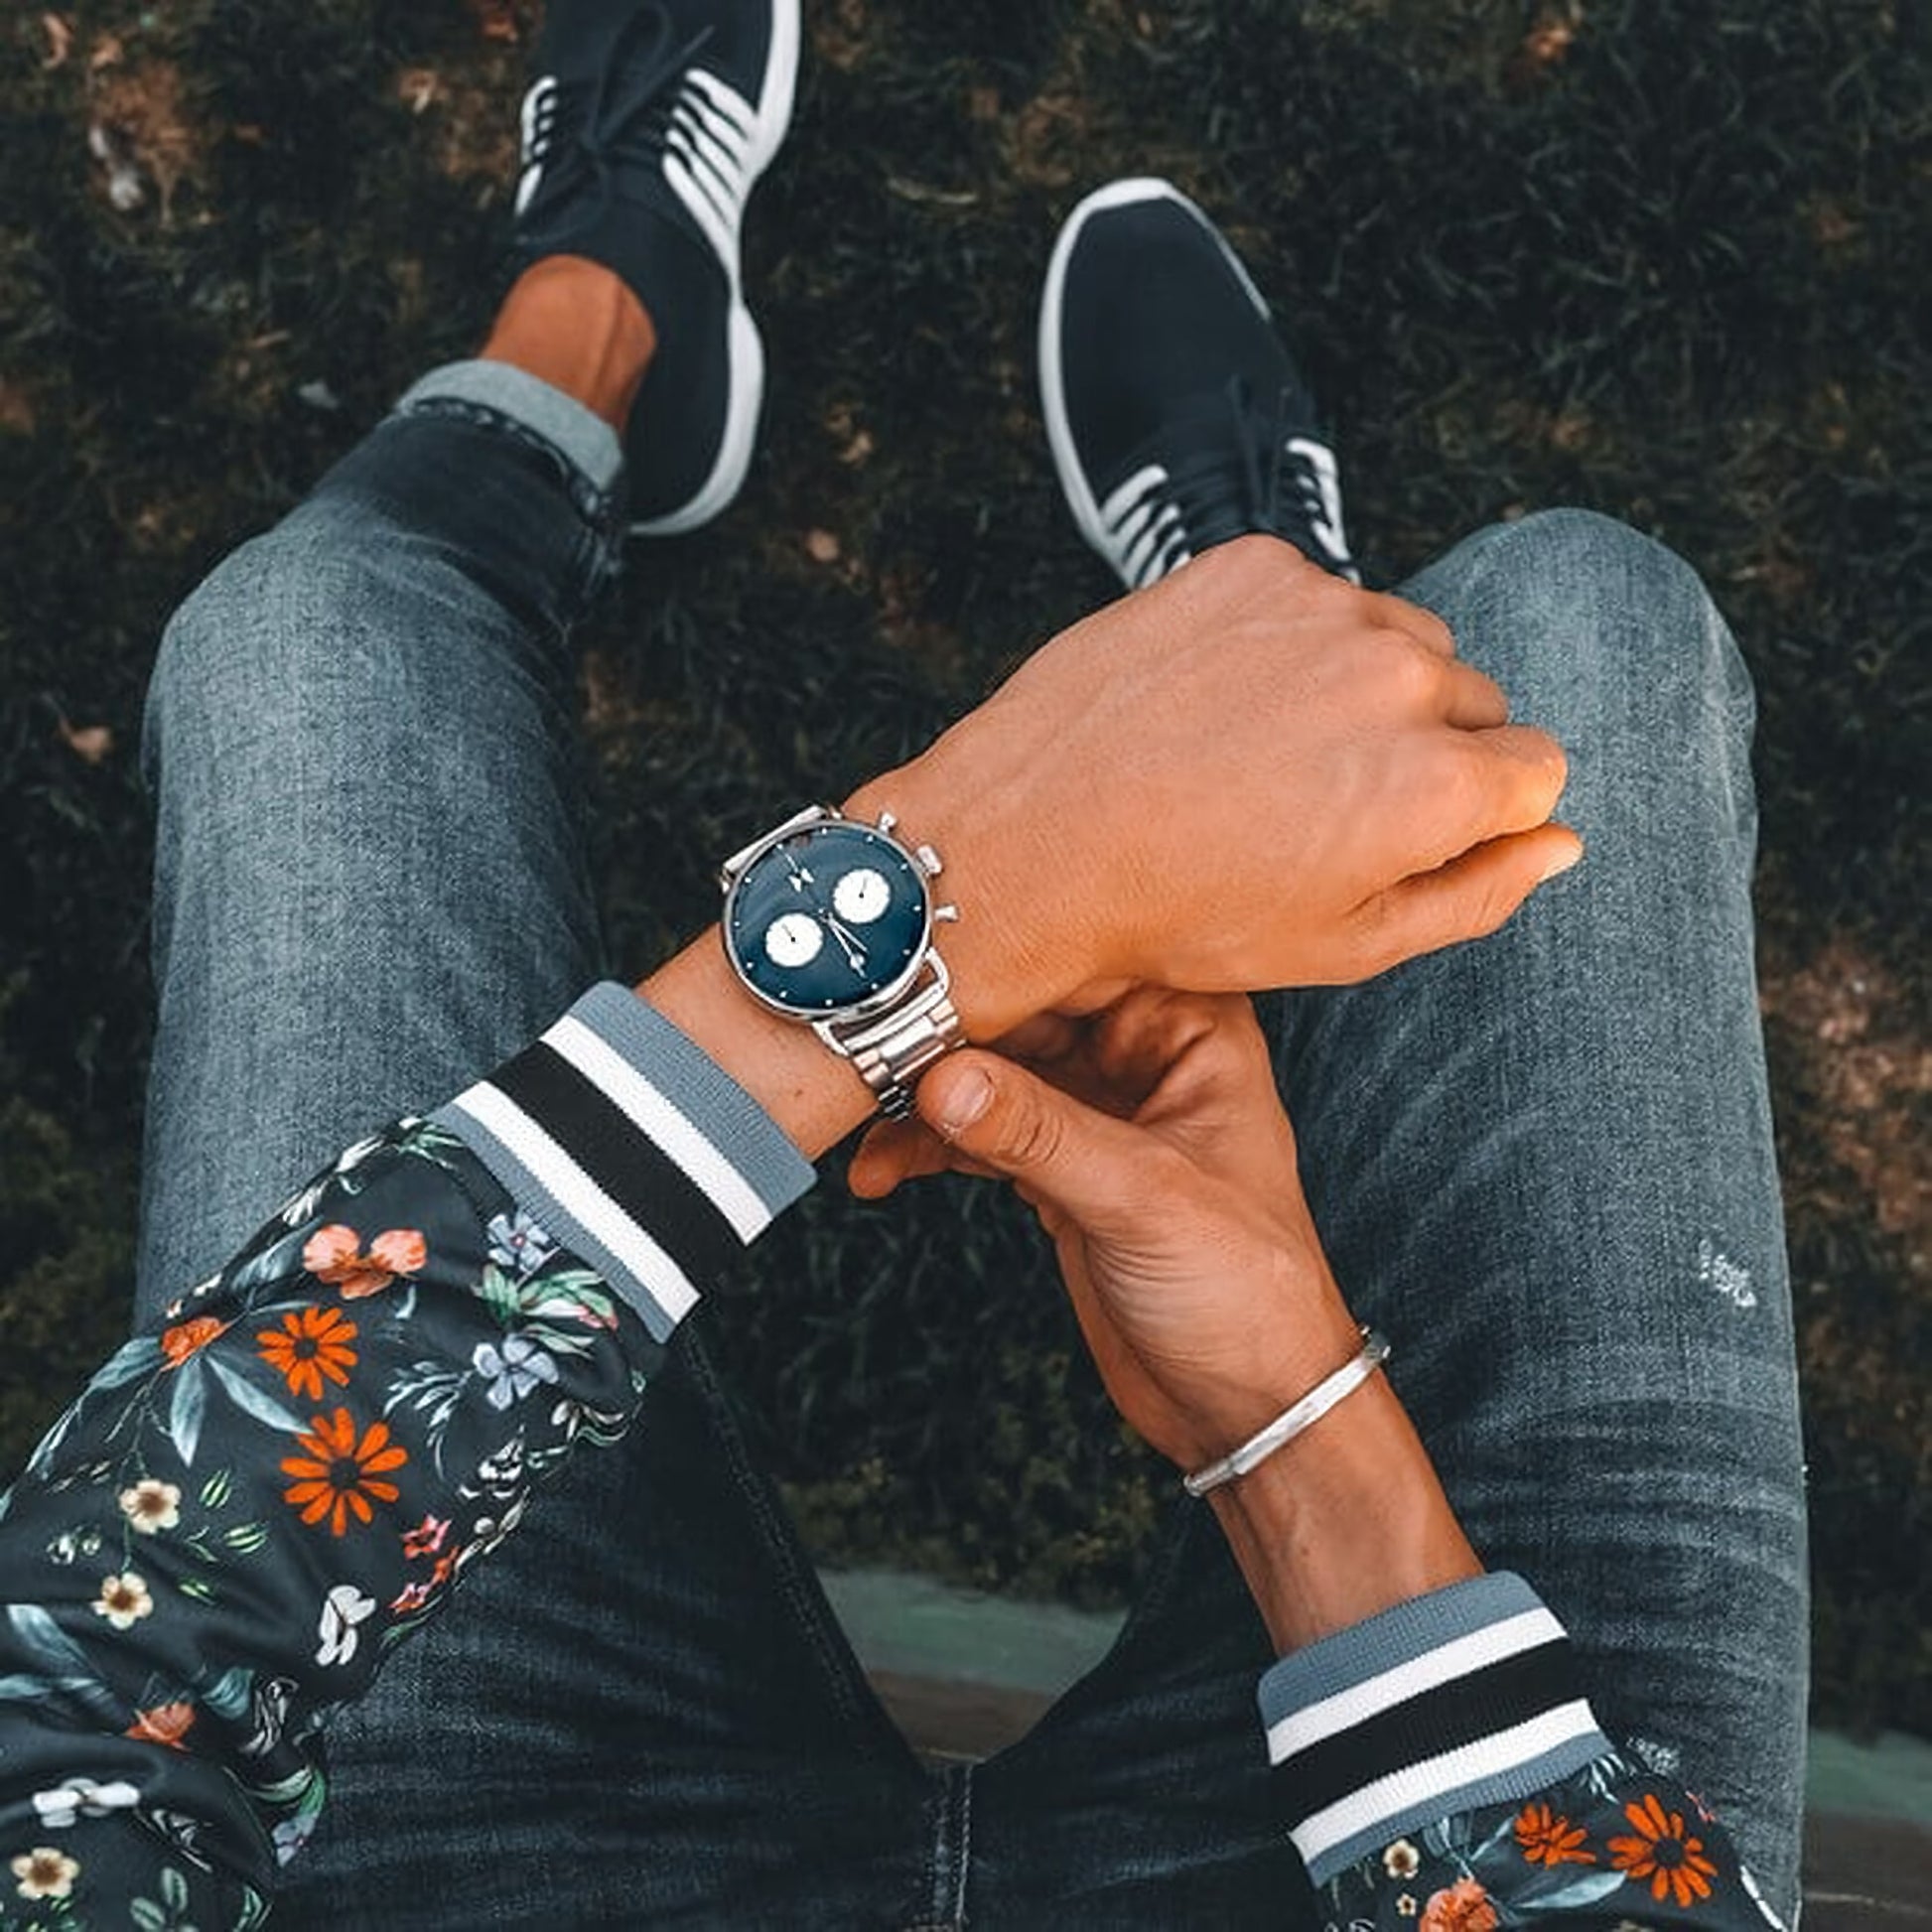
x=641 y=140
x=1177 y=417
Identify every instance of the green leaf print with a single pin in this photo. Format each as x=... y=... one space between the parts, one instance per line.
x=65 y=1661
x=167 y=1915
x=230 y=1693
x=1578 y=1893
x=498 y=1294
x=132 y=1358
x=255 y=1402
x=22 y=1687
x=184 y=1413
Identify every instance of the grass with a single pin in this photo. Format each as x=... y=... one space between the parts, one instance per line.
x=1664 y=259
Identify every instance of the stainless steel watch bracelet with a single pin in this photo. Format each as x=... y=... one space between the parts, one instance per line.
x=893 y=1051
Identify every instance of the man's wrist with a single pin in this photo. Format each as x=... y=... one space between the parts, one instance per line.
x=1007 y=956
x=815 y=1097
x=1345 y=1522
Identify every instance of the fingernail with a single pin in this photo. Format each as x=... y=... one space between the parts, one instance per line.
x=1561 y=862
x=969 y=1093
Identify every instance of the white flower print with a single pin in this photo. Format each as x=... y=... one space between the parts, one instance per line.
x=520 y=1246
x=45 y=1873
x=342 y=1610
x=292 y=1834
x=150 y=1505
x=82 y=1798
x=1401 y=1860
x=123 y=1600
x=179 y=1305
x=514 y=1370
x=501 y=1473
x=271 y=1713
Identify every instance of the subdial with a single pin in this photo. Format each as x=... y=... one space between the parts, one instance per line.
x=861 y=895
x=793 y=939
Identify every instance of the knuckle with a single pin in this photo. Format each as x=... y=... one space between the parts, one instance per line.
x=1556 y=762
x=1036 y=1136
x=1540 y=769
x=1490 y=907
x=1410 y=672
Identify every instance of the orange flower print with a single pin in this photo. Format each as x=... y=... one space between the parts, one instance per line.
x=1550 y=1838
x=1464 y=1908
x=310 y=1343
x=334 y=1255
x=340 y=1473
x=1664 y=1853
x=185 y=1337
x=426 y=1538
x=166 y=1723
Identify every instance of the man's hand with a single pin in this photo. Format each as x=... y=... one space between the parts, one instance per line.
x=1152 y=1145
x=1156 y=1155
x=1251 y=774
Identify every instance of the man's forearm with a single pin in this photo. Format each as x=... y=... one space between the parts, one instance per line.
x=1345 y=1521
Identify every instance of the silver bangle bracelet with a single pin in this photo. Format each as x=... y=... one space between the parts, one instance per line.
x=1292 y=1422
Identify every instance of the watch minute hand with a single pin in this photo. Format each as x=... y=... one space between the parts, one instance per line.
x=855 y=954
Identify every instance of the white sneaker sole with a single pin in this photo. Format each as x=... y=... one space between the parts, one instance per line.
x=743 y=346
x=1052 y=384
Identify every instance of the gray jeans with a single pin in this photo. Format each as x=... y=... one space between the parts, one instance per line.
x=1542 y=1163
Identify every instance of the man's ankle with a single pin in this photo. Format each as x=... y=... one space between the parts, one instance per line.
x=576 y=326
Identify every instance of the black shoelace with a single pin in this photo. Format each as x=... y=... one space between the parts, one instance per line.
x=1243 y=476
x=630 y=110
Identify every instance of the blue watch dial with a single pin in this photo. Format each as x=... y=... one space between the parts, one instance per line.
x=827 y=918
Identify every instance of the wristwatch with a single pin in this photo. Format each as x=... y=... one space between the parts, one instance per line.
x=828 y=920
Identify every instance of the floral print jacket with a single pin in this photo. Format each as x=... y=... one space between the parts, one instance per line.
x=217 y=1544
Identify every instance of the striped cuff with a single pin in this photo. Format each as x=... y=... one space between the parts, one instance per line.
x=634 y=1149
x=1463 y=1698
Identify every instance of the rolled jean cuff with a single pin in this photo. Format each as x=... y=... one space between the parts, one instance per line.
x=503 y=396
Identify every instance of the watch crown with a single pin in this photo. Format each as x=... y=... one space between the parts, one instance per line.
x=930 y=858
x=949 y=915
